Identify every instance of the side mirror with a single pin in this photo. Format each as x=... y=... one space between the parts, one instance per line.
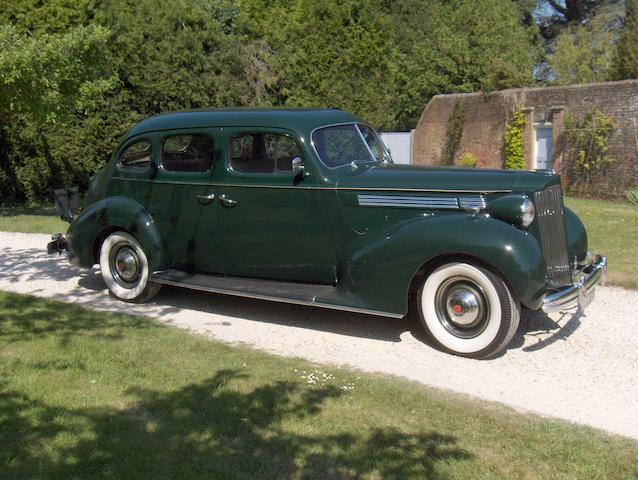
x=298 y=168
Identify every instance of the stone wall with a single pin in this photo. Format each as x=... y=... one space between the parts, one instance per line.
x=486 y=117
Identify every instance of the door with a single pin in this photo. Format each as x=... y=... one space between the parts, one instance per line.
x=544 y=148
x=183 y=199
x=272 y=223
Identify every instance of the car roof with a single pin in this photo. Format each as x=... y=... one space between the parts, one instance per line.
x=296 y=119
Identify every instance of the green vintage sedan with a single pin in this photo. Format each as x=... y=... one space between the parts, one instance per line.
x=307 y=207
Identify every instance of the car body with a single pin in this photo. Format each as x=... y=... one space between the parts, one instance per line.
x=306 y=206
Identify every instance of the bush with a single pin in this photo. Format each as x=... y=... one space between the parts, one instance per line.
x=468 y=160
x=632 y=197
x=586 y=146
x=513 y=141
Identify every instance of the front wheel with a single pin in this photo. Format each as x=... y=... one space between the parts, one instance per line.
x=125 y=270
x=468 y=310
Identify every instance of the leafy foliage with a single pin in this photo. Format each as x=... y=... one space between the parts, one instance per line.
x=468 y=160
x=584 y=53
x=586 y=146
x=454 y=133
x=513 y=140
x=632 y=197
x=626 y=61
x=380 y=59
x=44 y=80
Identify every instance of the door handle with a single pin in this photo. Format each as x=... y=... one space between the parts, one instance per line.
x=227 y=202
x=206 y=199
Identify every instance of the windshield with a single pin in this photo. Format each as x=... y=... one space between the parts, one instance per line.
x=343 y=144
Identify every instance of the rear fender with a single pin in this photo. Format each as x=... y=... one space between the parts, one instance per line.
x=380 y=271
x=108 y=215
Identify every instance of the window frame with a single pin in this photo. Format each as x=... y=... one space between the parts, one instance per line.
x=276 y=173
x=356 y=125
x=166 y=136
x=134 y=168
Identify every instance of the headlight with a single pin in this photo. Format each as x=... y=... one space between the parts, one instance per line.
x=529 y=212
x=515 y=208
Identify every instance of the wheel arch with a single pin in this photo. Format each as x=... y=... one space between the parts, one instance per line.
x=96 y=223
x=382 y=271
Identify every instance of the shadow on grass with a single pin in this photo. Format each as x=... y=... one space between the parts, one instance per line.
x=212 y=429
x=23 y=318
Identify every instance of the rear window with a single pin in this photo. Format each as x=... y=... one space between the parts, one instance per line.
x=187 y=153
x=137 y=154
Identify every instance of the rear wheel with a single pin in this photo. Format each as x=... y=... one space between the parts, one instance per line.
x=468 y=310
x=125 y=270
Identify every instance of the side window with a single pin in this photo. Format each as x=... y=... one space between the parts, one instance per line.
x=137 y=155
x=188 y=153
x=262 y=153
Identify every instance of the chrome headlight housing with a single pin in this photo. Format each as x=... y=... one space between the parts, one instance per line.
x=529 y=212
x=514 y=208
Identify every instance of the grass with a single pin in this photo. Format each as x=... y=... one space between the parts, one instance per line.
x=612 y=229
x=31 y=219
x=95 y=395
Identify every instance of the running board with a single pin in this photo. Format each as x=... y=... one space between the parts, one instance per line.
x=274 y=290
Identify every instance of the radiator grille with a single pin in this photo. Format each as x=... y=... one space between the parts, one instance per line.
x=551 y=222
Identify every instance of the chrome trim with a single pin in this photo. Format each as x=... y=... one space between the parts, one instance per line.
x=352 y=189
x=206 y=199
x=579 y=294
x=312 y=303
x=446 y=203
x=470 y=203
x=553 y=235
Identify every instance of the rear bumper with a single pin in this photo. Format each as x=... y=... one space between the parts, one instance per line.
x=581 y=292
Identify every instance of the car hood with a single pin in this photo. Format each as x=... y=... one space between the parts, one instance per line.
x=416 y=178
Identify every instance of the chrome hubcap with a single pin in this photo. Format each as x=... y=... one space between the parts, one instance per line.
x=461 y=307
x=125 y=265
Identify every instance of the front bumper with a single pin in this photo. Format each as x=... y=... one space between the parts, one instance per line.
x=581 y=292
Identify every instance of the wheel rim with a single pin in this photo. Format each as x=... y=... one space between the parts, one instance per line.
x=124 y=263
x=461 y=307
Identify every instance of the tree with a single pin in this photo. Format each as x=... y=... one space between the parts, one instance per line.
x=336 y=53
x=458 y=46
x=44 y=79
x=626 y=60
x=584 y=53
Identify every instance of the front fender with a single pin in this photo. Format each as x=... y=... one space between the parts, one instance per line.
x=114 y=213
x=380 y=270
x=576 y=236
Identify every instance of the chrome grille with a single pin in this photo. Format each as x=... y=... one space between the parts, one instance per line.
x=551 y=223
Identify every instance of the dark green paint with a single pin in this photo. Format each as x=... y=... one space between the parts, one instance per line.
x=311 y=229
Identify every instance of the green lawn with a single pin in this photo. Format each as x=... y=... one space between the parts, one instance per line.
x=612 y=229
x=94 y=395
x=35 y=219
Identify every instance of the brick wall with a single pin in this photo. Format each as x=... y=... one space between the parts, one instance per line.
x=487 y=116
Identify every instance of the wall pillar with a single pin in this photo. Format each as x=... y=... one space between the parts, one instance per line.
x=558 y=126
x=528 y=136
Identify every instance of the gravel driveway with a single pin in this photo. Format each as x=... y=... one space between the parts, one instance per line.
x=583 y=368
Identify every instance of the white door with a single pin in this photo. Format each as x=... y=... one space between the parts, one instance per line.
x=544 y=148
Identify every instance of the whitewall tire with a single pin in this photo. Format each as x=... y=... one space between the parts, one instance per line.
x=468 y=310
x=125 y=270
